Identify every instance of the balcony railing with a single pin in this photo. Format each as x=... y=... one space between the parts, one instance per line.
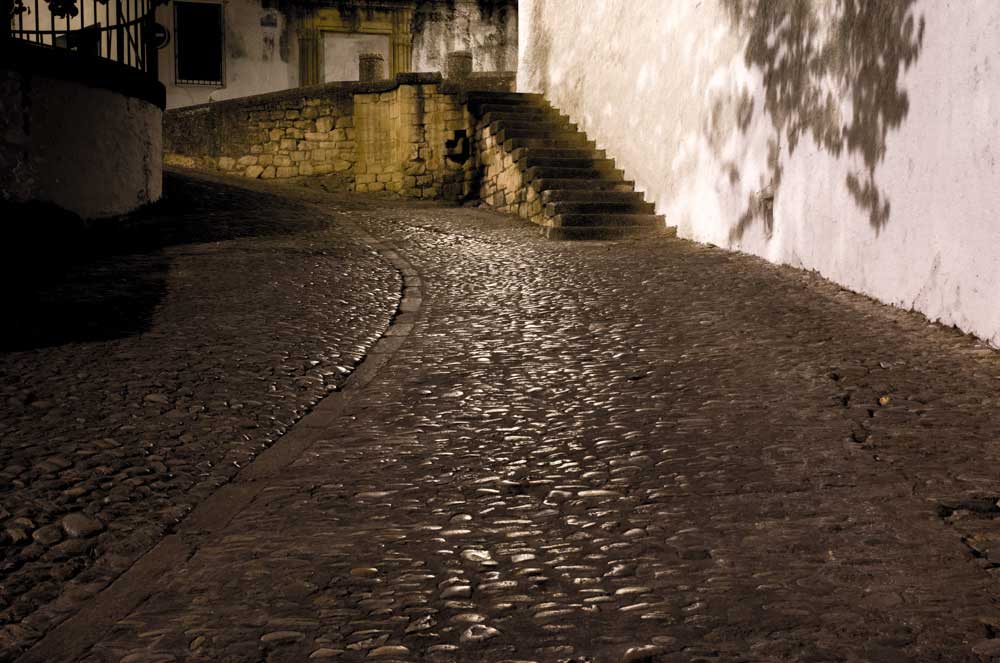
x=118 y=30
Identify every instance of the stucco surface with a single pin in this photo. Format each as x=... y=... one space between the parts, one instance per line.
x=262 y=47
x=341 y=51
x=261 y=53
x=857 y=141
x=488 y=30
x=91 y=151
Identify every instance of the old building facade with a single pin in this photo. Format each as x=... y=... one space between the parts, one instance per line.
x=219 y=50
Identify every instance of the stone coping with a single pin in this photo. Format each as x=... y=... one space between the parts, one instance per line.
x=343 y=89
x=62 y=64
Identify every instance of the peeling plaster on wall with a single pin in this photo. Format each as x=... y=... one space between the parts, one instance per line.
x=685 y=100
x=253 y=33
x=488 y=30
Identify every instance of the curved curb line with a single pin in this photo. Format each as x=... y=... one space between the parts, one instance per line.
x=75 y=636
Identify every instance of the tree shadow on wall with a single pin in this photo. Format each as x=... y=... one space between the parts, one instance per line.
x=816 y=58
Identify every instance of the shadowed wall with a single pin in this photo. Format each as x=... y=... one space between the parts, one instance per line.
x=854 y=138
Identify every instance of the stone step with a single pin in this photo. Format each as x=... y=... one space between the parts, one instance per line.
x=547 y=127
x=600 y=165
x=572 y=141
x=586 y=195
x=549 y=172
x=605 y=232
x=595 y=234
x=598 y=220
x=515 y=109
x=527 y=117
x=507 y=133
x=601 y=207
x=557 y=153
x=582 y=184
x=493 y=96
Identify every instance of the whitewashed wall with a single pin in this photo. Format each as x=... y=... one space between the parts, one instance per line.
x=879 y=139
x=465 y=25
x=261 y=55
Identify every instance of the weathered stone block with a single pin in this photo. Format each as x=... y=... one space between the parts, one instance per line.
x=288 y=144
x=324 y=124
x=253 y=172
x=287 y=171
x=299 y=156
x=226 y=163
x=268 y=173
x=282 y=160
x=341 y=166
x=310 y=112
x=416 y=168
x=306 y=169
x=292 y=114
x=248 y=160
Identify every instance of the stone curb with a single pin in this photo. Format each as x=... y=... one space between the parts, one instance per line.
x=73 y=637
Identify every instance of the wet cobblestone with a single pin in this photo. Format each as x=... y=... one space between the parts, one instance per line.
x=634 y=451
x=136 y=382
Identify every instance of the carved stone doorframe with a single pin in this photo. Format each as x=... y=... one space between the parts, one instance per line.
x=374 y=18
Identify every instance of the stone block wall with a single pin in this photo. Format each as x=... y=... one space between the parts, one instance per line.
x=502 y=184
x=276 y=136
x=404 y=136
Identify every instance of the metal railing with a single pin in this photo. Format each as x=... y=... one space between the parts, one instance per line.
x=118 y=30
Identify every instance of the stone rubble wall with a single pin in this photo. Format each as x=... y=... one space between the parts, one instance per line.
x=366 y=137
x=502 y=185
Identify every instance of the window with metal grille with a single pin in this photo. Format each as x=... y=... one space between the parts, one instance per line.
x=198 y=43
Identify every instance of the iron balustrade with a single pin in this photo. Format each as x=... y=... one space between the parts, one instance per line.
x=118 y=30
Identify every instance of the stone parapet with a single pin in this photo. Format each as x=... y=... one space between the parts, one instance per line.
x=370 y=136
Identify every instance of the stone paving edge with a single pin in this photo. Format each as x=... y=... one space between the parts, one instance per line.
x=73 y=637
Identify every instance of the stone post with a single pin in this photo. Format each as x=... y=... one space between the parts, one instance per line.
x=458 y=65
x=371 y=67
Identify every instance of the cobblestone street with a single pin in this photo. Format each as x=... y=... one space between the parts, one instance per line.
x=587 y=452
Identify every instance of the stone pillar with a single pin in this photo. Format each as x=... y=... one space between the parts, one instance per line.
x=401 y=41
x=458 y=65
x=371 y=67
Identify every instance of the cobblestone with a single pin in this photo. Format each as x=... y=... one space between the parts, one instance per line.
x=135 y=382
x=614 y=452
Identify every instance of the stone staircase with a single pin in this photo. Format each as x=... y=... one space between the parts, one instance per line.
x=539 y=165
